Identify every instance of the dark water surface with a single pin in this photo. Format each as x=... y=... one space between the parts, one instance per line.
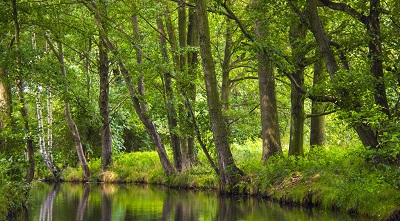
x=106 y=202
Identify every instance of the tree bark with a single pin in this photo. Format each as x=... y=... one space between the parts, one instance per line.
x=375 y=53
x=266 y=82
x=297 y=36
x=228 y=172
x=106 y=137
x=317 y=128
x=192 y=41
x=170 y=102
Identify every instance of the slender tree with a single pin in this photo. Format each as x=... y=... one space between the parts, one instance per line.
x=71 y=123
x=228 y=172
x=20 y=88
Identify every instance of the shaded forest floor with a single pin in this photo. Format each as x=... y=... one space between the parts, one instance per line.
x=329 y=178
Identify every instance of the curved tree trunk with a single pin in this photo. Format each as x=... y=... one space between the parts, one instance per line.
x=140 y=107
x=228 y=172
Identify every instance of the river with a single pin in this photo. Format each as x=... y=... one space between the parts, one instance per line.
x=106 y=202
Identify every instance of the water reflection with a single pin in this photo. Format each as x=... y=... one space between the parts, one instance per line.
x=131 y=202
x=82 y=203
x=46 y=209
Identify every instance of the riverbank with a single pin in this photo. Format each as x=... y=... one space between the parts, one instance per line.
x=329 y=178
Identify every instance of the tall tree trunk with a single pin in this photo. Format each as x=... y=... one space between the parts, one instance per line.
x=317 y=128
x=106 y=138
x=20 y=88
x=141 y=107
x=192 y=41
x=228 y=172
x=74 y=129
x=364 y=131
x=375 y=53
x=182 y=84
x=170 y=101
x=297 y=36
x=266 y=83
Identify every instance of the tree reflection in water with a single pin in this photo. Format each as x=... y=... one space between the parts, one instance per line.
x=80 y=212
x=46 y=209
x=106 y=202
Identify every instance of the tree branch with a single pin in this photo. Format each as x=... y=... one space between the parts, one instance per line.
x=232 y=16
x=345 y=8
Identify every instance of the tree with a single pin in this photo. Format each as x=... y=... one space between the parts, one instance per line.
x=317 y=128
x=106 y=138
x=71 y=123
x=20 y=88
x=269 y=114
x=228 y=172
x=297 y=36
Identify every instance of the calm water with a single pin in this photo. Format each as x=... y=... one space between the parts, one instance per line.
x=105 y=202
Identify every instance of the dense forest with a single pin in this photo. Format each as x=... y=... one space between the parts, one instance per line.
x=89 y=82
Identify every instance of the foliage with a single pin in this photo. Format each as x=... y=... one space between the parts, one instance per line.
x=13 y=194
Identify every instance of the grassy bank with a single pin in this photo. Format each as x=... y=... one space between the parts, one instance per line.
x=330 y=178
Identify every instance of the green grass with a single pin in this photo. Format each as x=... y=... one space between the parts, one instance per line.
x=330 y=177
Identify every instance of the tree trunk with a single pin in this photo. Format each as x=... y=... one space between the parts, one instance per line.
x=24 y=111
x=140 y=107
x=170 y=102
x=375 y=53
x=192 y=41
x=74 y=129
x=228 y=172
x=106 y=138
x=45 y=150
x=297 y=37
x=29 y=140
x=266 y=82
x=317 y=128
